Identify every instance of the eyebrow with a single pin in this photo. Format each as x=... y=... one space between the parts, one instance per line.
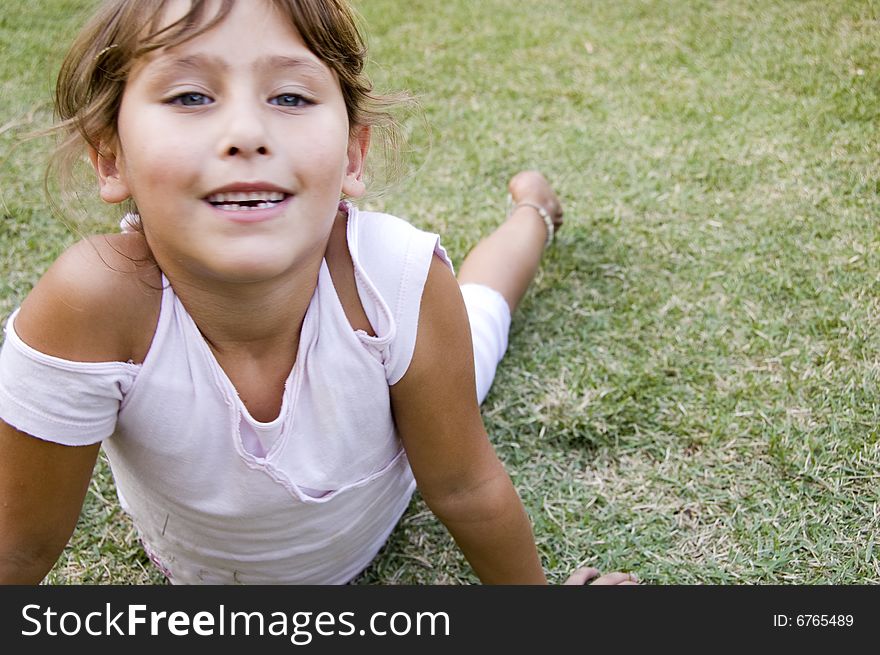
x=188 y=64
x=199 y=63
x=281 y=62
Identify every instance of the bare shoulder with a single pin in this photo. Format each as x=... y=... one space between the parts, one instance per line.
x=443 y=348
x=443 y=304
x=98 y=302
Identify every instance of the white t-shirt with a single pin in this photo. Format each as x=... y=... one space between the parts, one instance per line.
x=217 y=496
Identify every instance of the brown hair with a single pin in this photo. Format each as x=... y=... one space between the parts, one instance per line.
x=92 y=80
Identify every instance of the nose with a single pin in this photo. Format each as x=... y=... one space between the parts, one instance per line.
x=244 y=132
x=233 y=151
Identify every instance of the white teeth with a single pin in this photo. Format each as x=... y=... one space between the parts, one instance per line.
x=231 y=200
x=235 y=207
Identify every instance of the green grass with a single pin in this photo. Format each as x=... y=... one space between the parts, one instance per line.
x=691 y=390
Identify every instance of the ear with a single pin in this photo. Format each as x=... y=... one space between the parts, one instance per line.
x=358 y=145
x=111 y=183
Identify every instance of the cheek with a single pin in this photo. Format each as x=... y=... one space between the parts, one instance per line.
x=325 y=148
x=156 y=168
x=153 y=155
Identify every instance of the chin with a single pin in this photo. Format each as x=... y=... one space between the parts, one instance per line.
x=256 y=262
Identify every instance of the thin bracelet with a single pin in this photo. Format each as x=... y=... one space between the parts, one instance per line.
x=551 y=229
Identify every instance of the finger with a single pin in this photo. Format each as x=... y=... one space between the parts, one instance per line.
x=582 y=576
x=615 y=579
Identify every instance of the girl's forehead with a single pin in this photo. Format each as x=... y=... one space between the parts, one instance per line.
x=174 y=10
x=252 y=30
x=241 y=13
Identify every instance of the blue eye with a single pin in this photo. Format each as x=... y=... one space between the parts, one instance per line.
x=191 y=100
x=289 y=100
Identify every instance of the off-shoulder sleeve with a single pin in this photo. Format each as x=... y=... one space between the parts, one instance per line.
x=66 y=402
x=392 y=259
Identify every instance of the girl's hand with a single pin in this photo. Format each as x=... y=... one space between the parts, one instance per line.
x=589 y=575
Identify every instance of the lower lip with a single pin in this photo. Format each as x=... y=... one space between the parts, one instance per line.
x=249 y=216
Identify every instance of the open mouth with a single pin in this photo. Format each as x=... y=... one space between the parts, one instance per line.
x=246 y=200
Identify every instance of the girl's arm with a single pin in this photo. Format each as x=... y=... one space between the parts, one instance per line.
x=88 y=307
x=42 y=485
x=457 y=471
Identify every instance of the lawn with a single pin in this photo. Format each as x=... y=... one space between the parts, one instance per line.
x=691 y=391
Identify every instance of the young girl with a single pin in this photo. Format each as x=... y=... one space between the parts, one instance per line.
x=270 y=371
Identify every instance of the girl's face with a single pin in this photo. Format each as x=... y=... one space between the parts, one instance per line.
x=236 y=148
